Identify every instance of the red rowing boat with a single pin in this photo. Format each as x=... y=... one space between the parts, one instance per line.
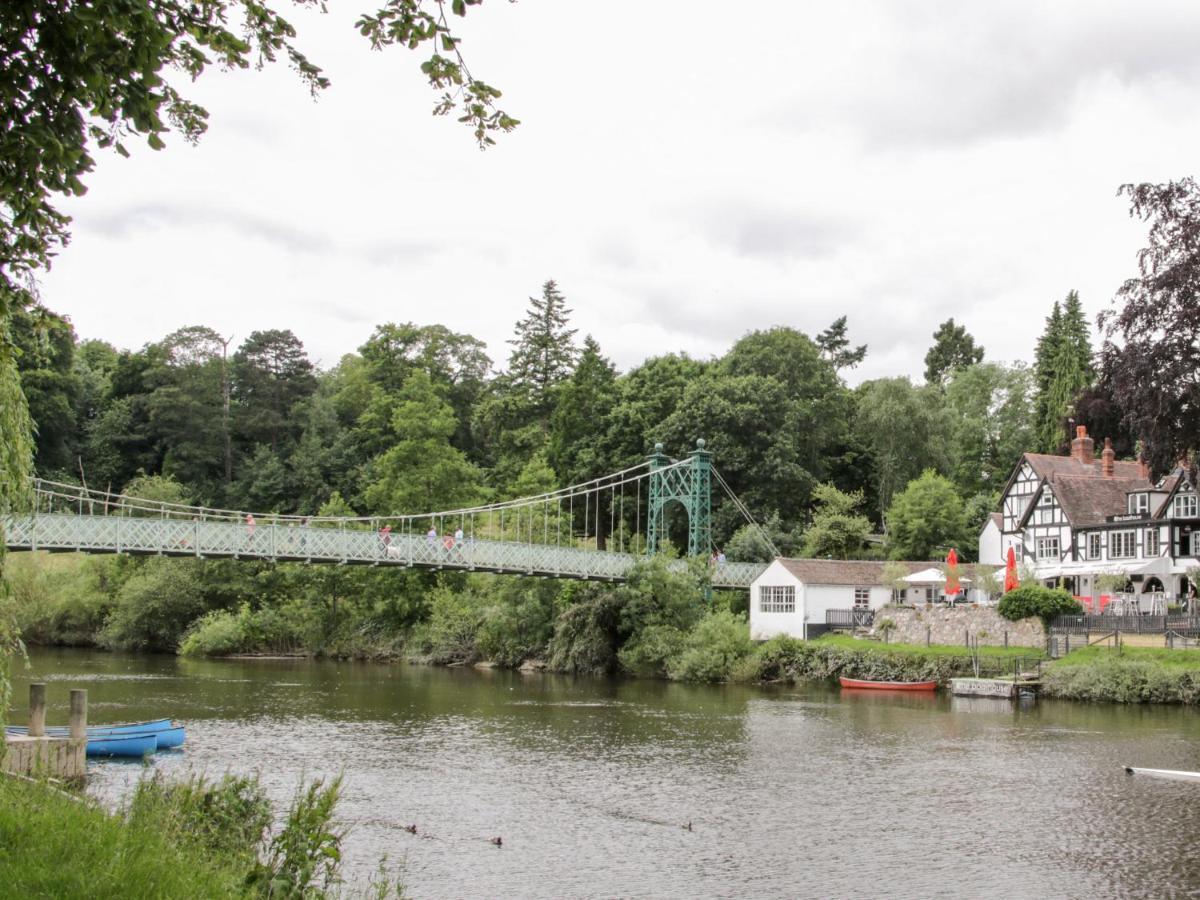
x=888 y=685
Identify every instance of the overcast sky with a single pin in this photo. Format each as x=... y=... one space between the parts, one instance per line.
x=686 y=171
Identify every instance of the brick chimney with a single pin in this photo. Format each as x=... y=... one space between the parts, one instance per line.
x=1082 y=446
x=1143 y=467
x=1106 y=459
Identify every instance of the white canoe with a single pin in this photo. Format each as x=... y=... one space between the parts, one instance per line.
x=1164 y=773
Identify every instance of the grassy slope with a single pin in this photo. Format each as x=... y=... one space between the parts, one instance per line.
x=52 y=846
x=851 y=643
x=1177 y=660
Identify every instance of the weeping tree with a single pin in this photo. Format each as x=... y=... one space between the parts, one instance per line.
x=16 y=466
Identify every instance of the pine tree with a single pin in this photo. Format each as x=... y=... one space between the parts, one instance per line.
x=544 y=353
x=1063 y=368
x=835 y=346
x=1045 y=428
x=953 y=348
x=1076 y=334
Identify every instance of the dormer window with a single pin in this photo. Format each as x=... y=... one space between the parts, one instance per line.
x=1139 y=503
x=1184 y=506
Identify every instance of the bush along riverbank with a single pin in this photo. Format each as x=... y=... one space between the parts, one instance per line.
x=1132 y=675
x=192 y=838
x=659 y=624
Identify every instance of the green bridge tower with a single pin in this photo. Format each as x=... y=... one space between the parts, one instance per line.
x=689 y=485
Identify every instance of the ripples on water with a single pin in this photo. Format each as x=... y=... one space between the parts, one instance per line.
x=792 y=792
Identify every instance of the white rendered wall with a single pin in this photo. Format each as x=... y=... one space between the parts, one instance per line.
x=991 y=549
x=767 y=625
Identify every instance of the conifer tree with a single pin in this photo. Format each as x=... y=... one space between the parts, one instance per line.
x=953 y=348
x=1063 y=369
x=835 y=346
x=544 y=352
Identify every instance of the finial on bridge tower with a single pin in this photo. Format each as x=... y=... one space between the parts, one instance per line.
x=699 y=443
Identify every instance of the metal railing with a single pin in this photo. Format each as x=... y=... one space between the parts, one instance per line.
x=329 y=542
x=858 y=617
x=1128 y=624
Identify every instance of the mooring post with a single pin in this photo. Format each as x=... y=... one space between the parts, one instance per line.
x=78 y=714
x=37 y=710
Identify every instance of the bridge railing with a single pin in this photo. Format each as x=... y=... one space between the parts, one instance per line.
x=346 y=544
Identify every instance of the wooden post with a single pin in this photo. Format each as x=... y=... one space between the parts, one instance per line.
x=78 y=715
x=37 y=710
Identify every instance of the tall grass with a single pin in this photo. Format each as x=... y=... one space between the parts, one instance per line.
x=191 y=838
x=56 y=846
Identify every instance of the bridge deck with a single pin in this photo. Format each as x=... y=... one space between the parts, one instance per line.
x=224 y=539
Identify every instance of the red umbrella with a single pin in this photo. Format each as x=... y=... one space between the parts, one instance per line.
x=1010 y=571
x=953 y=586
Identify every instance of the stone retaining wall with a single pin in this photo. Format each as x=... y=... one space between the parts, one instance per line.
x=952 y=624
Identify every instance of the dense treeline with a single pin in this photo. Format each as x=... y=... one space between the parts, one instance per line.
x=419 y=419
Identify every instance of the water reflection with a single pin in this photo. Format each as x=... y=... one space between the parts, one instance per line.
x=806 y=791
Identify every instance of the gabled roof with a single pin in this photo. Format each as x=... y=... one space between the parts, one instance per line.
x=1051 y=467
x=852 y=571
x=1048 y=467
x=1088 y=500
x=996 y=519
x=1171 y=484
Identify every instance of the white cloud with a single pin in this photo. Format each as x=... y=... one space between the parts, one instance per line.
x=687 y=172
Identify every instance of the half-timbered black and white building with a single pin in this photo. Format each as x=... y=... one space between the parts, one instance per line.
x=1074 y=518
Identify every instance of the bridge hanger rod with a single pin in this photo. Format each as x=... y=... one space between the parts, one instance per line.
x=76 y=494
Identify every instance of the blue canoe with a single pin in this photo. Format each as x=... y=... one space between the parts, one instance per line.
x=122 y=745
x=169 y=735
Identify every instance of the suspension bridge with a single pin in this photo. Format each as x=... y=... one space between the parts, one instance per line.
x=598 y=529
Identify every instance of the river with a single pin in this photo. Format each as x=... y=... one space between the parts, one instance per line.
x=799 y=791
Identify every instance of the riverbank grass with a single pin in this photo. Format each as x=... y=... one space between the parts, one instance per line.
x=1131 y=675
x=847 y=642
x=1177 y=660
x=52 y=845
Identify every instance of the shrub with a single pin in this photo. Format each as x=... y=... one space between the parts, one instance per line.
x=651 y=652
x=520 y=623
x=58 y=599
x=586 y=634
x=713 y=648
x=155 y=607
x=1036 y=600
x=218 y=633
x=449 y=634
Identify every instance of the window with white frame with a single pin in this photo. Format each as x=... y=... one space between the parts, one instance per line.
x=1139 y=503
x=1152 y=546
x=777 y=598
x=1047 y=548
x=1195 y=543
x=1047 y=498
x=1095 y=545
x=862 y=596
x=1184 y=506
x=1122 y=545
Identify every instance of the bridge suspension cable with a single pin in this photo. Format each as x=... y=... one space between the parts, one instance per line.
x=744 y=510
x=73 y=517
